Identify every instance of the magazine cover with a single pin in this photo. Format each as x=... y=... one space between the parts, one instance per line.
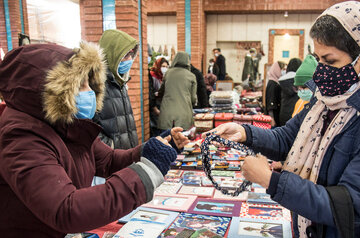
x=168 y=187
x=264 y=211
x=215 y=207
x=250 y=228
x=197 y=191
x=215 y=224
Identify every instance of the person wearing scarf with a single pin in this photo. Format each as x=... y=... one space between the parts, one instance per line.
x=273 y=92
x=320 y=180
x=157 y=73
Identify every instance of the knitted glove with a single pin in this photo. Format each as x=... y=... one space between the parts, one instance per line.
x=159 y=154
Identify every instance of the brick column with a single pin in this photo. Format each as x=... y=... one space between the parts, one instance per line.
x=15 y=22
x=126 y=12
x=197 y=30
x=127 y=20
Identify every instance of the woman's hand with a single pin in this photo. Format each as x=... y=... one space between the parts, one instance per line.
x=179 y=139
x=257 y=170
x=230 y=131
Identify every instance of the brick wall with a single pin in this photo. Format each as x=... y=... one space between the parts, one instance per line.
x=126 y=12
x=260 y=6
x=127 y=20
x=91 y=20
x=161 y=7
x=15 y=23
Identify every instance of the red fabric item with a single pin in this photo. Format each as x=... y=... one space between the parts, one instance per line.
x=46 y=171
x=156 y=70
x=221 y=118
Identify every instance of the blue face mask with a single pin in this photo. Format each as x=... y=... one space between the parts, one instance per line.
x=86 y=105
x=305 y=94
x=125 y=66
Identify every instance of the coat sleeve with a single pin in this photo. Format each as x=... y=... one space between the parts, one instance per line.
x=304 y=198
x=161 y=91
x=109 y=161
x=43 y=186
x=193 y=90
x=315 y=202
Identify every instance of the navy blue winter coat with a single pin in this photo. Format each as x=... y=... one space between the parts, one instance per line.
x=340 y=166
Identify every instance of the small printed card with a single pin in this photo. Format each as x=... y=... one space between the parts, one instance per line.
x=260 y=198
x=177 y=232
x=264 y=211
x=215 y=207
x=248 y=228
x=173 y=202
x=150 y=214
x=190 y=221
x=197 y=191
x=205 y=233
x=168 y=187
x=140 y=228
x=241 y=197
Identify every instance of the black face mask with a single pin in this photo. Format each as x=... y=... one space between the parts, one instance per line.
x=333 y=81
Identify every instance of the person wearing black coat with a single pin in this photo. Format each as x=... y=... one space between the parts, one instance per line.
x=220 y=61
x=213 y=68
x=202 y=96
x=289 y=95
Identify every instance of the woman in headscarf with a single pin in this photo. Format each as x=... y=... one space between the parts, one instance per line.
x=157 y=73
x=320 y=181
x=273 y=92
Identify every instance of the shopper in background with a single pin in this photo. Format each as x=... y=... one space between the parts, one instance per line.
x=157 y=73
x=50 y=149
x=220 y=62
x=117 y=118
x=303 y=75
x=210 y=80
x=320 y=180
x=289 y=95
x=178 y=93
x=202 y=98
x=213 y=68
x=273 y=92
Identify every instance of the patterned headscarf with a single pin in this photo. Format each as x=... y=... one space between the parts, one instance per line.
x=348 y=14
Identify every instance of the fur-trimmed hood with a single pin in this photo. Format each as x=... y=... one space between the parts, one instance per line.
x=43 y=79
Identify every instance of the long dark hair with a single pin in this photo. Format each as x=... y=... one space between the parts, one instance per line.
x=328 y=30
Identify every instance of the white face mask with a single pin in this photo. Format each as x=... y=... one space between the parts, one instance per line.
x=163 y=70
x=211 y=64
x=216 y=54
x=283 y=72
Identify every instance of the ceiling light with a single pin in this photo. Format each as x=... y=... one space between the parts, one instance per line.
x=286 y=14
